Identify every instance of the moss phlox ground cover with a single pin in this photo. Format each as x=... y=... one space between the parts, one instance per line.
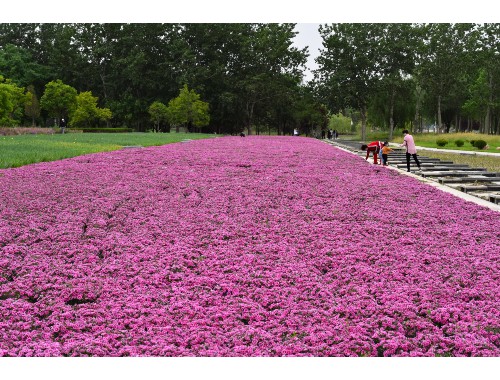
x=256 y=246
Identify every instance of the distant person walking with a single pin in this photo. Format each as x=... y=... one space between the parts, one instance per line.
x=411 y=149
x=62 y=125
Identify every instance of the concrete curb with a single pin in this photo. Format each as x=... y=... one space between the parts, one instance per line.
x=446 y=189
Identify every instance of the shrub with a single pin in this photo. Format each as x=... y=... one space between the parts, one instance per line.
x=480 y=144
x=441 y=142
x=13 y=131
x=472 y=142
x=106 y=130
x=459 y=142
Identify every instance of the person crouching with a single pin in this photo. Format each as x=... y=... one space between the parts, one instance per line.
x=373 y=147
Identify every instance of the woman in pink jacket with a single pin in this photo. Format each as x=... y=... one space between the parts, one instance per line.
x=411 y=149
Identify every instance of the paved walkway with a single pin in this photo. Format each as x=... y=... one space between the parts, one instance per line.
x=437 y=185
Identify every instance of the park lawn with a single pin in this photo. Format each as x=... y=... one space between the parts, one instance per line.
x=16 y=151
x=428 y=140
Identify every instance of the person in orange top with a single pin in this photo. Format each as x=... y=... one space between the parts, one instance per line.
x=385 y=152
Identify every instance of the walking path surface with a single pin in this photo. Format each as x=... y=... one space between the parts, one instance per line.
x=447 y=189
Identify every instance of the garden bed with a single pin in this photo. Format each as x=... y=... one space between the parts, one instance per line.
x=255 y=246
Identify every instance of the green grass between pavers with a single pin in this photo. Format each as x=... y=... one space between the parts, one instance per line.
x=490 y=163
x=428 y=140
x=22 y=150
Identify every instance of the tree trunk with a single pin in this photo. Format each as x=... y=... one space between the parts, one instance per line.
x=250 y=107
x=363 y=122
x=417 y=117
x=391 y=115
x=439 y=126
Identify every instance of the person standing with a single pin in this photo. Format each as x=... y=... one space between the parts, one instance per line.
x=411 y=149
x=62 y=125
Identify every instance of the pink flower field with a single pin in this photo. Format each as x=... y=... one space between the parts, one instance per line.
x=256 y=246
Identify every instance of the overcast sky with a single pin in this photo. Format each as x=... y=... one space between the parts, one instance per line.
x=308 y=36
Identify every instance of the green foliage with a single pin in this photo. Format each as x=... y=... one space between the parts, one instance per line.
x=480 y=144
x=17 y=64
x=32 y=105
x=12 y=100
x=59 y=99
x=187 y=109
x=340 y=123
x=104 y=130
x=441 y=142
x=158 y=113
x=86 y=113
x=459 y=142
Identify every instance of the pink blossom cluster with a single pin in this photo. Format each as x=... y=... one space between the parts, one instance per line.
x=256 y=246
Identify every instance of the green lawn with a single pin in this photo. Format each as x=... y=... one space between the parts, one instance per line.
x=22 y=150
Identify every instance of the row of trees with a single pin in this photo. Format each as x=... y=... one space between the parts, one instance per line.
x=249 y=74
x=395 y=75
x=59 y=101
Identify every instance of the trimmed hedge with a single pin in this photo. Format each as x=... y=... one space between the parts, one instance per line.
x=441 y=142
x=480 y=144
x=105 y=130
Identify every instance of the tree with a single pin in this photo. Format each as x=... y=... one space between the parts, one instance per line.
x=32 y=106
x=187 y=109
x=396 y=61
x=443 y=63
x=18 y=65
x=86 y=113
x=349 y=68
x=12 y=100
x=486 y=48
x=159 y=113
x=59 y=99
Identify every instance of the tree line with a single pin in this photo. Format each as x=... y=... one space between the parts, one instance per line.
x=249 y=77
x=249 y=74
x=403 y=75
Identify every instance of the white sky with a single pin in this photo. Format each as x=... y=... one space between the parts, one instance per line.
x=308 y=36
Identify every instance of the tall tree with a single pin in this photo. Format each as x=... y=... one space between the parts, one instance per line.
x=187 y=109
x=32 y=106
x=87 y=113
x=12 y=100
x=59 y=99
x=348 y=64
x=443 y=62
